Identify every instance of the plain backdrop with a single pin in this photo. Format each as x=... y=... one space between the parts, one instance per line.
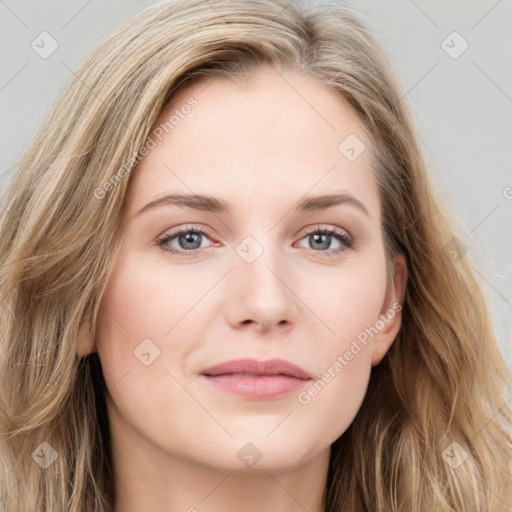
x=453 y=59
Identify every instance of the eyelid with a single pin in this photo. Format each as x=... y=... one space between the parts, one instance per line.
x=326 y=227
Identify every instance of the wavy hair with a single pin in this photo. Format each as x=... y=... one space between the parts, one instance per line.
x=443 y=381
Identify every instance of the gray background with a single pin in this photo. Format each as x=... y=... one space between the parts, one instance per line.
x=462 y=106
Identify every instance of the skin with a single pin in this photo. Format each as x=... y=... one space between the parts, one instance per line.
x=261 y=147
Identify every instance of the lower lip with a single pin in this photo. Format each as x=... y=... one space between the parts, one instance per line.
x=262 y=387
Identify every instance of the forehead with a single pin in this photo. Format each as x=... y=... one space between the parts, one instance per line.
x=281 y=135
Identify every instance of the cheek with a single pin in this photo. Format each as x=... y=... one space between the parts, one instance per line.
x=149 y=314
x=351 y=308
x=132 y=319
x=142 y=301
x=138 y=308
x=344 y=366
x=351 y=311
x=330 y=404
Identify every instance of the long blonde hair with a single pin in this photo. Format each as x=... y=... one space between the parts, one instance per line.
x=439 y=393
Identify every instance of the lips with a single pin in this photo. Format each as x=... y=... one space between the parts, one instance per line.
x=257 y=380
x=251 y=367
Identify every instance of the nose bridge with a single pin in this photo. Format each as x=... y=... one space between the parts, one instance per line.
x=259 y=283
x=260 y=260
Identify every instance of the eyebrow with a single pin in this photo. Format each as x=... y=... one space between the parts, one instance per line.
x=218 y=206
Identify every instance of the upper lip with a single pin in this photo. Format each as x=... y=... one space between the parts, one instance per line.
x=254 y=367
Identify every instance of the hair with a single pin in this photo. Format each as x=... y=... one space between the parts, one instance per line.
x=443 y=380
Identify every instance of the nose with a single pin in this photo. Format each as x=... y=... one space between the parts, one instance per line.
x=260 y=294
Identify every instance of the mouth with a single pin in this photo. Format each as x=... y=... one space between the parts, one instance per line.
x=257 y=380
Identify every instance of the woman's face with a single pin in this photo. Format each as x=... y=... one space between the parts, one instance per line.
x=265 y=272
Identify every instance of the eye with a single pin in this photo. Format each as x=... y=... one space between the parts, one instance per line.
x=188 y=240
x=320 y=239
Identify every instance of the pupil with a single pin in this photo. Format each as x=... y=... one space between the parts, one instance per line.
x=190 y=238
x=321 y=239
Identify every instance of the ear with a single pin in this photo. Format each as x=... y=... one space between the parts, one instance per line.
x=84 y=341
x=391 y=312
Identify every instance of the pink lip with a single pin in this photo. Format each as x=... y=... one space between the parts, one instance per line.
x=257 y=379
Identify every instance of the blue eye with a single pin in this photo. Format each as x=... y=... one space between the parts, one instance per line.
x=321 y=237
x=189 y=240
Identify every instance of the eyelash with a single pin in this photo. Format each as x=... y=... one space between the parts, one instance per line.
x=342 y=236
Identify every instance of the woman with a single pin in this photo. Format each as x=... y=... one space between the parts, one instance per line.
x=228 y=284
